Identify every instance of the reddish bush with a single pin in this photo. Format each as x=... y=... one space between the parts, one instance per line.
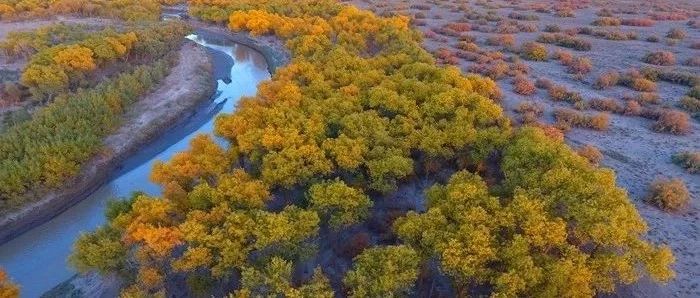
x=505 y=40
x=468 y=46
x=632 y=108
x=606 y=105
x=580 y=65
x=690 y=161
x=660 y=58
x=638 y=22
x=607 y=80
x=607 y=21
x=672 y=121
x=600 y=121
x=568 y=118
x=591 y=153
x=534 y=51
x=669 y=195
x=563 y=56
x=523 y=86
x=560 y=93
x=529 y=111
x=459 y=27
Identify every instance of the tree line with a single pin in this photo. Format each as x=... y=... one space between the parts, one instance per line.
x=128 y=10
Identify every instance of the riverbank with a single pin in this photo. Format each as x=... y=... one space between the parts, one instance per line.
x=189 y=83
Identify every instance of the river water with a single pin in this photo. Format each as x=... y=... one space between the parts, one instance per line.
x=36 y=260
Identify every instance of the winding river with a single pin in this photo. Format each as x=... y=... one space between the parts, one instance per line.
x=36 y=260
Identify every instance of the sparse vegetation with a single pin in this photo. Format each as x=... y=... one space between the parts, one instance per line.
x=690 y=161
x=669 y=194
x=534 y=51
x=672 y=121
x=660 y=58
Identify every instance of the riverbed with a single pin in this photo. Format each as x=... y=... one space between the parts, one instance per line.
x=37 y=260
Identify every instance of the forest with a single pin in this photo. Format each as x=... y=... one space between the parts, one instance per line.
x=82 y=107
x=128 y=10
x=361 y=111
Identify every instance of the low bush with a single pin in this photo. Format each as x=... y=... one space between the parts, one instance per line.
x=607 y=21
x=676 y=33
x=523 y=86
x=564 y=57
x=638 y=22
x=534 y=51
x=653 y=38
x=690 y=104
x=523 y=17
x=632 y=108
x=669 y=194
x=468 y=46
x=591 y=153
x=565 y=40
x=672 y=121
x=494 y=71
x=504 y=40
x=693 y=61
x=607 y=80
x=543 y=83
x=663 y=58
x=580 y=65
x=636 y=81
x=690 y=161
x=459 y=27
x=606 y=105
x=552 y=28
x=561 y=93
x=529 y=111
x=568 y=118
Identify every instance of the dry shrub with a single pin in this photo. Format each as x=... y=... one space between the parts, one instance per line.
x=591 y=153
x=494 y=71
x=638 y=22
x=690 y=161
x=565 y=40
x=459 y=27
x=543 y=83
x=672 y=121
x=504 y=40
x=690 y=104
x=468 y=46
x=529 y=111
x=639 y=84
x=663 y=58
x=563 y=56
x=669 y=16
x=561 y=93
x=645 y=98
x=519 y=68
x=676 y=33
x=607 y=21
x=607 y=80
x=523 y=86
x=446 y=56
x=551 y=131
x=534 y=51
x=579 y=65
x=669 y=194
x=653 y=38
x=568 y=118
x=552 y=28
x=606 y=105
x=632 y=108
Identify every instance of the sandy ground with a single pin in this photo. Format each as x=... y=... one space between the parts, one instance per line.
x=631 y=148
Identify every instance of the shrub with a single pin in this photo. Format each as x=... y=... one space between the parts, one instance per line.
x=534 y=51
x=607 y=21
x=580 y=65
x=607 y=80
x=523 y=86
x=672 y=121
x=690 y=104
x=468 y=46
x=690 y=161
x=607 y=105
x=632 y=108
x=563 y=56
x=566 y=41
x=660 y=58
x=669 y=195
x=676 y=33
x=530 y=111
x=505 y=40
x=652 y=38
x=633 y=79
x=591 y=153
x=560 y=93
x=459 y=27
x=543 y=83
x=568 y=118
x=638 y=22
x=552 y=28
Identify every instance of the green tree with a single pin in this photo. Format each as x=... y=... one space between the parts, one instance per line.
x=341 y=204
x=383 y=272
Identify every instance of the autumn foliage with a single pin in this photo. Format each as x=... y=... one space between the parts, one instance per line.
x=361 y=110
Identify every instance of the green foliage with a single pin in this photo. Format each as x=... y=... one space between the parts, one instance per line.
x=101 y=250
x=343 y=205
x=563 y=228
x=275 y=280
x=387 y=271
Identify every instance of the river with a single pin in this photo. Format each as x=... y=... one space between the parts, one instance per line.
x=37 y=260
